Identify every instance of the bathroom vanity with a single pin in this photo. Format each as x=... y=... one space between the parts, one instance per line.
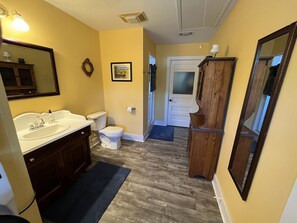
x=54 y=160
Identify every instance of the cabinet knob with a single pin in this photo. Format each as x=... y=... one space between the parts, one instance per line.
x=32 y=160
x=213 y=139
x=170 y=99
x=82 y=133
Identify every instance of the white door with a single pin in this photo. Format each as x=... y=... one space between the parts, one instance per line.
x=182 y=91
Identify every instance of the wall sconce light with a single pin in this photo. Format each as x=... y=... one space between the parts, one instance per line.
x=214 y=50
x=19 y=23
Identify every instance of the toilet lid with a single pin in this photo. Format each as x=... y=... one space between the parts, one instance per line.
x=112 y=131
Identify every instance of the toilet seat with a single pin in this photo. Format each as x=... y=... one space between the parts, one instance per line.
x=112 y=131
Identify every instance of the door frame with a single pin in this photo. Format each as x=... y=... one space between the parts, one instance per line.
x=150 y=124
x=169 y=60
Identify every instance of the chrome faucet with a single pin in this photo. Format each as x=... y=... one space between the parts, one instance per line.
x=38 y=123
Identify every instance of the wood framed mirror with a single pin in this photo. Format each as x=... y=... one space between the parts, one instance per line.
x=268 y=72
x=28 y=70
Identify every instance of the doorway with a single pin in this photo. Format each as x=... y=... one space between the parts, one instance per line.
x=182 y=78
x=151 y=94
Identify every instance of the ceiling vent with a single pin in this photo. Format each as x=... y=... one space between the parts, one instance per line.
x=134 y=17
x=185 y=33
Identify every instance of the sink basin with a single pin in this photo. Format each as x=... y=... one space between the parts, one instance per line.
x=44 y=131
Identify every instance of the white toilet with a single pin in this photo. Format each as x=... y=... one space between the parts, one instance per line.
x=110 y=136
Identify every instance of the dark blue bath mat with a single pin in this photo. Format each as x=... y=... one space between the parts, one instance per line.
x=89 y=197
x=162 y=133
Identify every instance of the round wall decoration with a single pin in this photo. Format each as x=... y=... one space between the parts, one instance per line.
x=87 y=67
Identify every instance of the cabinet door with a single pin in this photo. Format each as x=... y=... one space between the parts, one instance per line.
x=77 y=158
x=204 y=153
x=242 y=158
x=47 y=177
x=77 y=155
x=8 y=77
x=26 y=77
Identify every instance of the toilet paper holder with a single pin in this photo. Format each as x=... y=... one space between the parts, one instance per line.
x=131 y=109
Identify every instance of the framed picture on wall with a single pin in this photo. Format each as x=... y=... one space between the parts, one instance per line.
x=121 y=71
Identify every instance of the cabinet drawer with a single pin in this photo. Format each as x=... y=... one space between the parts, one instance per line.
x=48 y=150
x=38 y=155
x=82 y=133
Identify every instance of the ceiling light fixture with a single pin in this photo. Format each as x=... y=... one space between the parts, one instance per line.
x=19 y=23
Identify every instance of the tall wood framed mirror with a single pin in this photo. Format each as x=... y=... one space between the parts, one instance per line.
x=269 y=68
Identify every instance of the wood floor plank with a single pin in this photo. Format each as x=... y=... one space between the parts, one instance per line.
x=158 y=188
x=151 y=193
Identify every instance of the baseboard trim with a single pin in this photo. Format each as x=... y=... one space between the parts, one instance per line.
x=146 y=134
x=132 y=137
x=158 y=122
x=220 y=200
x=94 y=144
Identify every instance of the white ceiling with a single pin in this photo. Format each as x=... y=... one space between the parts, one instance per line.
x=166 y=18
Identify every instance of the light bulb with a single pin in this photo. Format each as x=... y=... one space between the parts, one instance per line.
x=20 y=24
x=214 y=50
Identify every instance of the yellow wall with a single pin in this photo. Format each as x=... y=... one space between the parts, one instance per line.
x=277 y=169
x=149 y=48
x=123 y=46
x=72 y=42
x=163 y=52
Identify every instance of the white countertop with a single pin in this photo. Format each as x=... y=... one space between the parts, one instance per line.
x=75 y=122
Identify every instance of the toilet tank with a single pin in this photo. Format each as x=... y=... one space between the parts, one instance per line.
x=99 y=119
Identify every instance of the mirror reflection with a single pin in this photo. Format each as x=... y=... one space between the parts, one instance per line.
x=27 y=70
x=264 y=86
x=265 y=75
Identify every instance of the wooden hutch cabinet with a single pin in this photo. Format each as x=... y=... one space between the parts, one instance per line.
x=18 y=78
x=207 y=124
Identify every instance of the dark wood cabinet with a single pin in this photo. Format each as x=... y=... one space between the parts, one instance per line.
x=18 y=78
x=55 y=166
x=77 y=156
x=207 y=125
x=47 y=177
